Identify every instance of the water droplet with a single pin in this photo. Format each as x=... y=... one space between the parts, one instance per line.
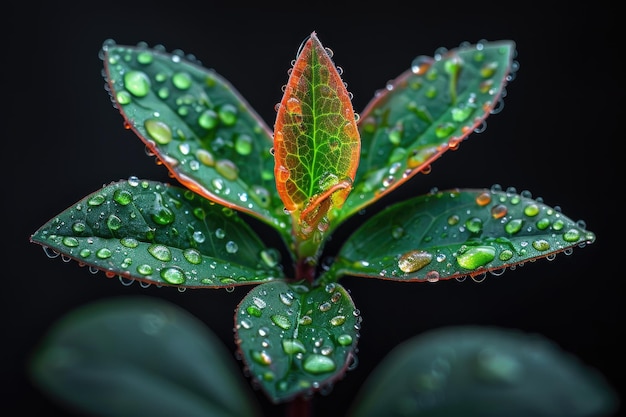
x=505 y=255
x=137 y=83
x=572 y=235
x=144 y=269
x=243 y=144
x=414 y=260
x=159 y=131
x=259 y=302
x=96 y=200
x=231 y=247
x=325 y=306
x=541 y=245
x=531 y=210
x=476 y=256
x=262 y=358
x=270 y=257
x=543 y=224
x=344 y=340
x=70 y=242
x=489 y=69
x=228 y=114
x=318 y=364
x=474 y=224
x=281 y=321
x=160 y=252
x=558 y=225
x=227 y=169
x=483 y=198
x=198 y=236
x=499 y=211
x=114 y=223
x=122 y=197
x=254 y=311
x=286 y=298
x=173 y=275
x=104 y=253
x=514 y=226
x=293 y=346
x=181 y=80
x=193 y=256
x=245 y=323
x=163 y=216
x=305 y=320
x=338 y=320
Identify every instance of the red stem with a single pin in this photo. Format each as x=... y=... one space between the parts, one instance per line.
x=299 y=407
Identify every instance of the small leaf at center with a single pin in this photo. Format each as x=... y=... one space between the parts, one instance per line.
x=316 y=140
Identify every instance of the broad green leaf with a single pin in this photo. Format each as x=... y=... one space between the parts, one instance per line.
x=425 y=112
x=316 y=141
x=157 y=233
x=295 y=340
x=198 y=125
x=457 y=233
x=471 y=371
x=139 y=356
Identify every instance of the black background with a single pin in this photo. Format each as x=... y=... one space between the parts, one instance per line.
x=557 y=137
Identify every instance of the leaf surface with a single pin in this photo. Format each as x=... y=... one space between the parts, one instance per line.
x=472 y=371
x=316 y=140
x=139 y=356
x=198 y=126
x=425 y=112
x=295 y=340
x=161 y=234
x=457 y=233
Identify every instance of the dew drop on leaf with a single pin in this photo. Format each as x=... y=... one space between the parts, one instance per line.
x=414 y=260
x=476 y=257
x=160 y=252
x=137 y=83
x=173 y=275
x=159 y=131
x=318 y=364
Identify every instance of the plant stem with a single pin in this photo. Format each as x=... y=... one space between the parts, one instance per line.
x=299 y=407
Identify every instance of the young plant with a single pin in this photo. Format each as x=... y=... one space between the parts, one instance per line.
x=297 y=329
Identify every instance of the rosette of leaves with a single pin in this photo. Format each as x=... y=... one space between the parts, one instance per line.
x=321 y=164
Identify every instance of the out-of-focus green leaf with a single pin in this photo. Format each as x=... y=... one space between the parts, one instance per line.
x=137 y=357
x=483 y=372
x=457 y=233
x=198 y=125
x=295 y=340
x=425 y=112
x=316 y=140
x=158 y=233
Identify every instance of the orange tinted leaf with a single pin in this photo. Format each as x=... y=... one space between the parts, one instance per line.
x=316 y=140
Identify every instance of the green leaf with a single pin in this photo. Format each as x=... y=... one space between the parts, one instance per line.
x=157 y=233
x=295 y=340
x=475 y=371
x=136 y=356
x=316 y=141
x=425 y=112
x=457 y=233
x=198 y=125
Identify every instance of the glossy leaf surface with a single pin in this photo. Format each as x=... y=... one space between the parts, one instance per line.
x=198 y=125
x=295 y=340
x=425 y=112
x=457 y=233
x=130 y=357
x=476 y=371
x=161 y=234
x=316 y=141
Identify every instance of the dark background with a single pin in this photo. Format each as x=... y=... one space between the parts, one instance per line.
x=556 y=136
